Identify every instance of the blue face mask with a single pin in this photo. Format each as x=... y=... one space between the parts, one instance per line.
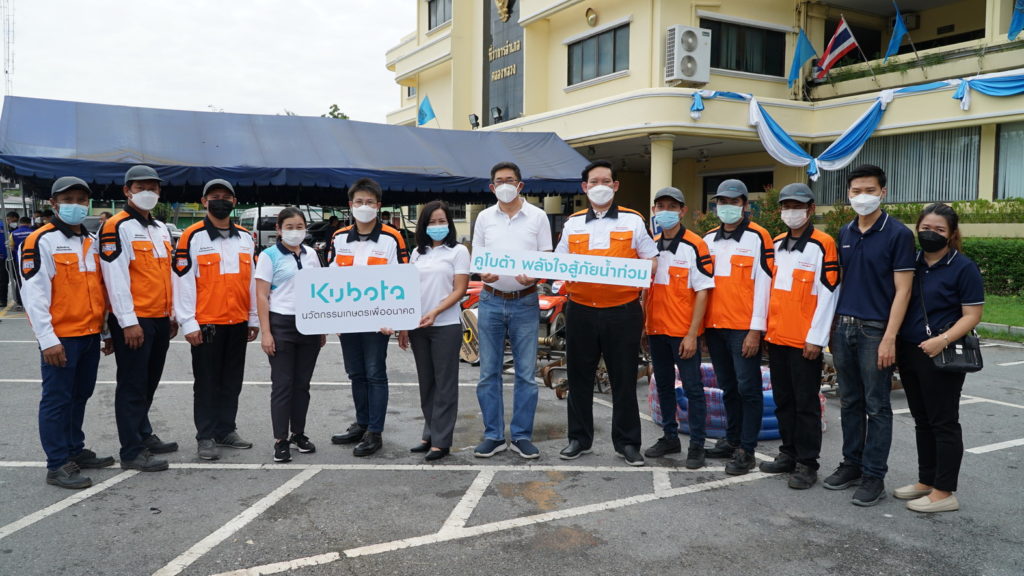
x=437 y=233
x=72 y=214
x=666 y=219
x=728 y=213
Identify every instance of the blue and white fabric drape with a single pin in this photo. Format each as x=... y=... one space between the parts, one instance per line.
x=781 y=146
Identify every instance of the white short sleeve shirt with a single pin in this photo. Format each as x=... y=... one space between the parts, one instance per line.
x=528 y=230
x=279 y=269
x=437 y=268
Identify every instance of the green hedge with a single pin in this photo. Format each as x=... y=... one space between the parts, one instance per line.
x=1001 y=261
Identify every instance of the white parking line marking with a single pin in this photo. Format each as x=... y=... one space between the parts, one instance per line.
x=234 y=525
x=399 y=467
x=662 y=483
x=57 y=507
x=546 y=517
x=464 y=509
x=999 y=402
x=996 y=446
x=604 y=402
x=964 y=400
x=1011 y=363
x=288 y=566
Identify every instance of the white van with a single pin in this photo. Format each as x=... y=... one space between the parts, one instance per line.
x=264 y=233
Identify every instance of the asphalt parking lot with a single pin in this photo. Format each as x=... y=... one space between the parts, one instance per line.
x=332 y=513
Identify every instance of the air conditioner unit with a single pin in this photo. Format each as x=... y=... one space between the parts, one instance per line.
x=687 y=55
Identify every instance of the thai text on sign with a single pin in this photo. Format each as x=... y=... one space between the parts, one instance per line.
x=348 y=299
x=574 y=267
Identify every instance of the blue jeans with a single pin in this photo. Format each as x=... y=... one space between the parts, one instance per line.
x=366 y=355
x=864 y=395
x=665 y=358
x=740 y=381
x=65 y=392
x=518 y=320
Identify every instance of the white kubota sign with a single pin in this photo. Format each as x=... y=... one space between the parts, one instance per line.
x=348 y=299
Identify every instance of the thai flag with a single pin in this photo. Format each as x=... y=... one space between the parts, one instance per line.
x=840 y=45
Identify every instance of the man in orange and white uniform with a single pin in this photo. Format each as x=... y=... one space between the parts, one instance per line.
x=368 y=242
x=215 y=303
x=736 y=317
x=63 y=294
x=603 y=319
x=805 y=291
x=674 y=311
x=135 y=253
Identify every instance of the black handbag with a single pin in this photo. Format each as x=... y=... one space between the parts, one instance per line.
x=960 y=355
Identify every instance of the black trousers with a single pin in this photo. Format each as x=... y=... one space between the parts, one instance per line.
x=934 y=399
x=613 y=333
x=138 y=375
x=795 y=385
x=291 y=369
x=218 y=365
x=436 y=350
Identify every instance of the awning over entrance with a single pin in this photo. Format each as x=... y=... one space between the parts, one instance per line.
x=268 y=158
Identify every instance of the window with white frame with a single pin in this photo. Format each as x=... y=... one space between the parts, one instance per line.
x=1010 y=170
x=599 y=55
x=438 y=12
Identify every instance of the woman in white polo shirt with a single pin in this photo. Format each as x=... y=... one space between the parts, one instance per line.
x=292 y=354
x=443 y=265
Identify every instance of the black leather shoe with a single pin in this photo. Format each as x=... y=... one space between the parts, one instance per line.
x=722 y=449
x=573 y=451
x=664 y=445
x=433 y=455
x=68 y=476
x=370 y=444
x=782 y=463
x=695 y=457
x=741 y=463
x=420 y=448
x=631 y=455
x=88 y=459
x=803 y=477
x=145 y=462
x=354 y=434
x=155 y=445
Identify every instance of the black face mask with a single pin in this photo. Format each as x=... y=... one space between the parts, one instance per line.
x=931 y=241
x=220 y=209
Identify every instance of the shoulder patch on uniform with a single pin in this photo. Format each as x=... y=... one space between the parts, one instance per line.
x=110 y=236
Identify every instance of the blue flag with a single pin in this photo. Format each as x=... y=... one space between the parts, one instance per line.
x=425 y=113
x=804 y=52
x=898 y=32
x=1017 y=22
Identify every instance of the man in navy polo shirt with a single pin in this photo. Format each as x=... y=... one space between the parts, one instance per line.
x=876 y=252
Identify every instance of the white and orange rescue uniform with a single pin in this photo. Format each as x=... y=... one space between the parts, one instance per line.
x=743 y=277
x=383 y=245
x=135 y=255
x=805 y=289
x=215 y=281
x=62 y=288
x=684 y=268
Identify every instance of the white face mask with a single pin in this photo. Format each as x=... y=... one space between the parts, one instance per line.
x=293 y=237
x=506 y=192
x=600 y=194
x=795 y=218
x=145 y=200
x=364 y=214
x=865 y=204
x=728 y=213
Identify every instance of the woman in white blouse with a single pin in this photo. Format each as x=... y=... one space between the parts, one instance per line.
x=443 y=265
x=292 y=354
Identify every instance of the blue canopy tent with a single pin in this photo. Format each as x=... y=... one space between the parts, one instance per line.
x=270 y=159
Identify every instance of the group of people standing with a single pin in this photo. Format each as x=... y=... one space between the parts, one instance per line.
x=735 y=289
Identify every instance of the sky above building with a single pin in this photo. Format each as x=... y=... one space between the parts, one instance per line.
x=245 y=56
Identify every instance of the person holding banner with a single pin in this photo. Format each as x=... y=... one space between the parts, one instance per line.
x=509 y=307
x=443 y=265
x=604 y=320
x=366 y=243
x=215 y=303
x=737 y=315
x=292 y=354
x=674 y=312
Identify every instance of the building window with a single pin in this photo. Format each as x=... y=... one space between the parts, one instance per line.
x=599 y=55
x=410 y=91
x=1010 y=183
x=746 y=48
x=438 y=12
x=924 y=167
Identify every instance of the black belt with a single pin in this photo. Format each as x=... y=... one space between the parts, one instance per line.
x=511 y=295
